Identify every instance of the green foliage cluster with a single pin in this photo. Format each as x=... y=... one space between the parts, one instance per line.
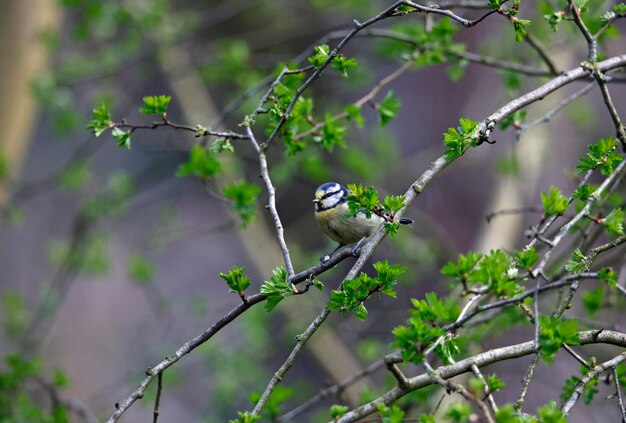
x=459 y=139
x=554 y=333
x=424 y=327
x=243 y=196
x=202 y=163
x=603 y=154
x=18 y=403
x=355 y=292
x=339 y=62
x=277 y=288
x=362 y=199
x=554 y=202
x=236 y=279
x=494 y=272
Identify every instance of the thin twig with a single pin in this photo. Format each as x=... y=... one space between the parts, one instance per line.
x=332 y=390
x=526 y=381
x=280 y=373
x=479 y=375
x=550 y=115
x=157 y=400
x=449 y=386
x=318 y=72
x=365 y=99
x=577 y=356
x=536 y=45
x=437 y=11
x=271 y=204
x=592 y=374
x=618 y=393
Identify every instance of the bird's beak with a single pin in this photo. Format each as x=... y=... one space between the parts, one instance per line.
x=317 y=200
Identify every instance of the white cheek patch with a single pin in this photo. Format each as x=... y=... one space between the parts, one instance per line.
x=332 y=201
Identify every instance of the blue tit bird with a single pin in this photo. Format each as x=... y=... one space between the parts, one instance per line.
x=331 y=208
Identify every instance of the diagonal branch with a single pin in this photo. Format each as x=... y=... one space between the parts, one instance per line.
x=592 y=374
x=480 y=360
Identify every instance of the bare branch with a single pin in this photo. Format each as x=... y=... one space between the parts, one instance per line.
x=192 y=344
x=480 y=360
x=272 y=202
x=157 y=400
x=592 y=374
x=618 y=393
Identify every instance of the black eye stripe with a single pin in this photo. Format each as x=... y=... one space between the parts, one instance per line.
x=330 y=194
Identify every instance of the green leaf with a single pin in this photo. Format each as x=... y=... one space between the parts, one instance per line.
x=276 y=288
x=140 y=268
x=593 y=300
x=526 y=258
x=272 y=408
x=494 y=383
x=388 y=108
x=554 y=19
x=15 y=314
x=321 y=54
x=614 y=222
x=551 y=413
x=4 y=166
x=60 y=379
x=122 y=137
x=393 y=203
x=507 y=414
x=578 y=263
x=201 y=163
x=554 y=333
x=554 y=203
x=337 y=411
x=465 y=264
x=245 y=417
x=603 y=154
x=354 y=113
x=100 y=119
x=361 y=312
x=155 y=104
x=244 y=197
x=393 y=414
x=342 y=64
x=392 y=228
x=620 y=9
x=236 y=280
x=318 y=284
x=608 y=275
x=520 y=25
x=459 y=412
x=332 y=134
x=220 y=145
x=494 y=4
x=459 y=139
x=584 y=192
x=361 y=199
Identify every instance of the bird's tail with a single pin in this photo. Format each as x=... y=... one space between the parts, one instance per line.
x=405 y=221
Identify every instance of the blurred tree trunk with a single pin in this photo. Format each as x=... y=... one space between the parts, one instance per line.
x=23 y=56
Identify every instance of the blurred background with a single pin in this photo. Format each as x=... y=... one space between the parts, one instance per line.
x=109 y=262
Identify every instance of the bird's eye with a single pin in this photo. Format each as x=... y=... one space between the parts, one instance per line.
x=329 y=194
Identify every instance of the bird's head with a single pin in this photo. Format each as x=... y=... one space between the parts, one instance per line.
x=329 y=195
